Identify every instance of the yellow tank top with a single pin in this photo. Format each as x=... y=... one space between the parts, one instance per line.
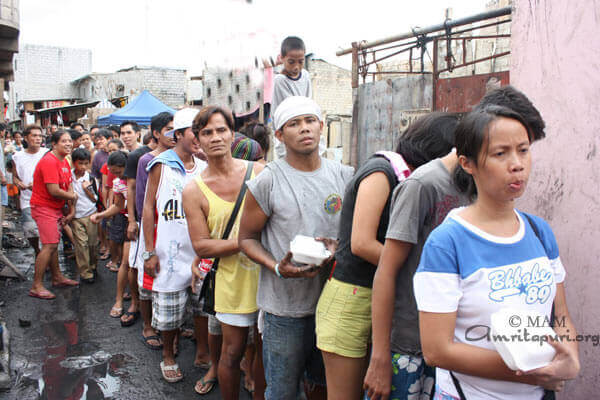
x=237 y=276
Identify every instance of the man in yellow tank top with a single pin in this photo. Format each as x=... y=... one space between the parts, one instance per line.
x=208 y=202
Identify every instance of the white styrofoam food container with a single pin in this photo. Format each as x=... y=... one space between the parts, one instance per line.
x=306 y=250
x=508 y=327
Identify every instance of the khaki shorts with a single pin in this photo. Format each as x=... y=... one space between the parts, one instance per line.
x=343 y=319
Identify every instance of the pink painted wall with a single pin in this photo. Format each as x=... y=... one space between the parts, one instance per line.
x=556 y=62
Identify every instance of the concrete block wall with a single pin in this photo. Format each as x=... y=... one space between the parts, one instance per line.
x=332 y=87
x=38 y=67
x=240 y=90
x=195 y=89
x=168 y=85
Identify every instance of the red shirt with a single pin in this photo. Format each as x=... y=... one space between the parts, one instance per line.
x=109 y=175
x=50 y=170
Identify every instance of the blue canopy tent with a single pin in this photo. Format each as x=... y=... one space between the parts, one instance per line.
x=140 y=110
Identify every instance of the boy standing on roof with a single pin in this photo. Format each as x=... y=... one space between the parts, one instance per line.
x=293 y=80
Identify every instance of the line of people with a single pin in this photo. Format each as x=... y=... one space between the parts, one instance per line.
x=426 y=242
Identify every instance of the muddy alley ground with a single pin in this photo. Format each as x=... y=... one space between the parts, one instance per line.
x=73 y=349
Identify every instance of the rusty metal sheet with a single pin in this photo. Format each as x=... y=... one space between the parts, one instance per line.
x=461 y=94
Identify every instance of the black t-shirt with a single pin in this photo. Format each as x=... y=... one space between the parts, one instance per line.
x=131 y=167
x=132 y=161
x=350 y=268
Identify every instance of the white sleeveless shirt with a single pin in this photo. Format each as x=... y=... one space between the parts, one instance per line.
x=171 y=239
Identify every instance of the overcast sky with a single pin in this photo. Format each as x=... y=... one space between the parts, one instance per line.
x=187 y=34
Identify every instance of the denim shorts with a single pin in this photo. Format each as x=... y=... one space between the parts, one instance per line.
x=117 y=228
x=289 y=354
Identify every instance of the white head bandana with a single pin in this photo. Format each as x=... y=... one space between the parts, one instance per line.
x=294 y=106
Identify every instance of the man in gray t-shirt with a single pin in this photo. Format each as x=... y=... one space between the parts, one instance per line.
x=419 y=205
x=298 y=195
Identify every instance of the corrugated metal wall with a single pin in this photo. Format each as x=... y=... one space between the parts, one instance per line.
x=383 y=109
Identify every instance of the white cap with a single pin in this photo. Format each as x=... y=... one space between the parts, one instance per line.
x=182 y=119
x=294 y=106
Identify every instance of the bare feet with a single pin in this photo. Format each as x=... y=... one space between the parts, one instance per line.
x=248 y=381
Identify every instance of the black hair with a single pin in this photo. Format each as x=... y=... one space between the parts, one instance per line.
x=81 y=155
x=103 y=132
x=508 y=96
x=291 y=43
x=428 y=137
x=471 y=133
x=118 y=142
x=94 y=127
x=75 y=124
x=116 y=129
x=2 y=126
x=30 y=128
x=55 y=137
x=259 y=132
x=159 y=121
x=134 y=125
x=117 y=159
x=147 y=138
x=74 y=134
x=86 y=133
x=202 y=118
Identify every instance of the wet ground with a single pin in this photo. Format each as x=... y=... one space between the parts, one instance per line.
x=73 y=349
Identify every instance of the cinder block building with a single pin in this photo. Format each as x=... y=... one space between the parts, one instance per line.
x=42 y=78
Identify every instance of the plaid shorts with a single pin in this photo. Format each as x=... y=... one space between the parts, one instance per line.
x=145 y=294
x=196 y=304
x=168 y=310
x=214 y=326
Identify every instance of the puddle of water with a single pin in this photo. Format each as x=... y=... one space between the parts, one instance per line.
x=93 y=377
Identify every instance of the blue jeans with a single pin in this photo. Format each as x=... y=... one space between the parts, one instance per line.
x=411 y=378
x=290 y=352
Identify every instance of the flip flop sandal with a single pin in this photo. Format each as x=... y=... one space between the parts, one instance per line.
x=165 y=368
x=116 y=310
x=66 y=283
x=211 y=384
x=146 y=340
x=114 y=268
x=46 y=295
x=104 y=256
x=203 y=365
x=129 y=322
